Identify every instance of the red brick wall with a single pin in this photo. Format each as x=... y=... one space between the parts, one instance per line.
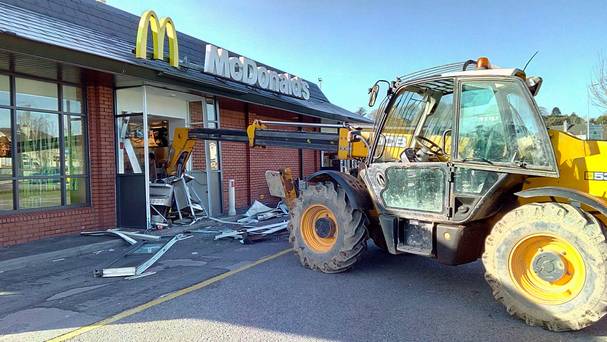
x=235 y=157
x=198 y=162
x=248 y=166
x=27 y=226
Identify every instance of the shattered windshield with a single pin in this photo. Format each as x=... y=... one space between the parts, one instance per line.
x=498 y=125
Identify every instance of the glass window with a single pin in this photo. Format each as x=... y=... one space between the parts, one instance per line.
x=36 y=94
x=6 y=161
x=44 y=170
x=75 y=191
x=470 y=181
x=38 y=144
x=498 y=125
x=5 y=90
x=39 y=193
x=72 y=99
x=415 y=188
x=74 y=145
x=400 y=125
x=6 y=195
x=131 y=153
x=439 y=122
x=211 y=114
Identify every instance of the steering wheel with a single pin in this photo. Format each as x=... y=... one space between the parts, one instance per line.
x=429 y=147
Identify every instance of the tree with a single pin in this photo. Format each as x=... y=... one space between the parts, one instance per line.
x=601 y=120
x=361 y=111
x=598 y=87
x=556 y=111
x=543 y=111
x=557 y=120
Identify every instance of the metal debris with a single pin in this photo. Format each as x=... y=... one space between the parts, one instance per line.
x=117 y=233
x=131 y=264
x=136 y=235
x=145 y=274
x=262 y=231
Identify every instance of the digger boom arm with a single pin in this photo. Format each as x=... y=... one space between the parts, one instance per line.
x=258 y=134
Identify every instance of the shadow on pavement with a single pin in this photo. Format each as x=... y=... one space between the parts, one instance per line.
x=384 y=297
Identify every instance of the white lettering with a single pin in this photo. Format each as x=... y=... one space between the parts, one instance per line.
x=263 y=77
x=305 y=90
x=274 y=81
x=250 y=71
x=216 y=61
x=235 y=69
x=296 y=86
x=284 y=83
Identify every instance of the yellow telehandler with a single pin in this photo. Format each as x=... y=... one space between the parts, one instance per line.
x=458 y=166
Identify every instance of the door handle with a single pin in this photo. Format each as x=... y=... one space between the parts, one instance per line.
x=381 y=179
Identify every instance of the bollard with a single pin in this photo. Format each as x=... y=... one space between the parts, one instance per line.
x=231 y=198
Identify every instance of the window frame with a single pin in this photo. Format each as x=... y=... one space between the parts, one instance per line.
x=15 y=178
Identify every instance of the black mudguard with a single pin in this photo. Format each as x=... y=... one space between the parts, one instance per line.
x=355 y=189
x=572 y=195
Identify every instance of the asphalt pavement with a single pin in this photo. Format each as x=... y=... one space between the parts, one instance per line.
x=385 y=298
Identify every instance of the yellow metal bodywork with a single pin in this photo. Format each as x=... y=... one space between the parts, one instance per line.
x=251 y=131
x=582 y=166
x=160 y=28
x=352 y=148
x=181 y=144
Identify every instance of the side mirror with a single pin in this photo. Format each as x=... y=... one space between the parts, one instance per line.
x=534 y=83
x=373 y=94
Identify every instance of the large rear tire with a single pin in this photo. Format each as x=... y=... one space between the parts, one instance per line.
x=327 y=234
x=546 y=263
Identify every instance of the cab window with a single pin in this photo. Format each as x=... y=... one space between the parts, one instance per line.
x=497 y=124
x=439 y=123
x=400 y=124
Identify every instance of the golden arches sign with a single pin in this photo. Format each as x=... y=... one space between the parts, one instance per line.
x=160 y=29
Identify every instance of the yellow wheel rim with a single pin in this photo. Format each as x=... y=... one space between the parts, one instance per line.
x=319 y=228
x=547 y=269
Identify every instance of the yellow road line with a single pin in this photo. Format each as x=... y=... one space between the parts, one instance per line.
x=163 y=299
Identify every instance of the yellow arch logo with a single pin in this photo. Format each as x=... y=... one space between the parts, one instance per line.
x=160 y=29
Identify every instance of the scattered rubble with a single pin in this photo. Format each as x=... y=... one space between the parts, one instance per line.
x=146 y=249
x=136 y=261
x=247 y=229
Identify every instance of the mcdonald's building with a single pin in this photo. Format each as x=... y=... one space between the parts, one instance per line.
x=90 y=97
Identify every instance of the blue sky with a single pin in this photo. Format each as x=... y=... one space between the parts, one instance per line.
x=350 y=44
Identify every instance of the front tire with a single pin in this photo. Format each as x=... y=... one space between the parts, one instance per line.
x=546 y=263
x=327 y=234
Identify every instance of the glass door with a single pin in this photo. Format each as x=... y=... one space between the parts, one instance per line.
x=132 y=162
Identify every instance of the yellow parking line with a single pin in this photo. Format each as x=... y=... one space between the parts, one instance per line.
x=163 y=299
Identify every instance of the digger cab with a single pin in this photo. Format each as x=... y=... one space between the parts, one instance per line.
x=452 y=152
x=446 y=142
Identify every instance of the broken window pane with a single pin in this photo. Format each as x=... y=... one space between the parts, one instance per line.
x=415 y=188
x=474 y=181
